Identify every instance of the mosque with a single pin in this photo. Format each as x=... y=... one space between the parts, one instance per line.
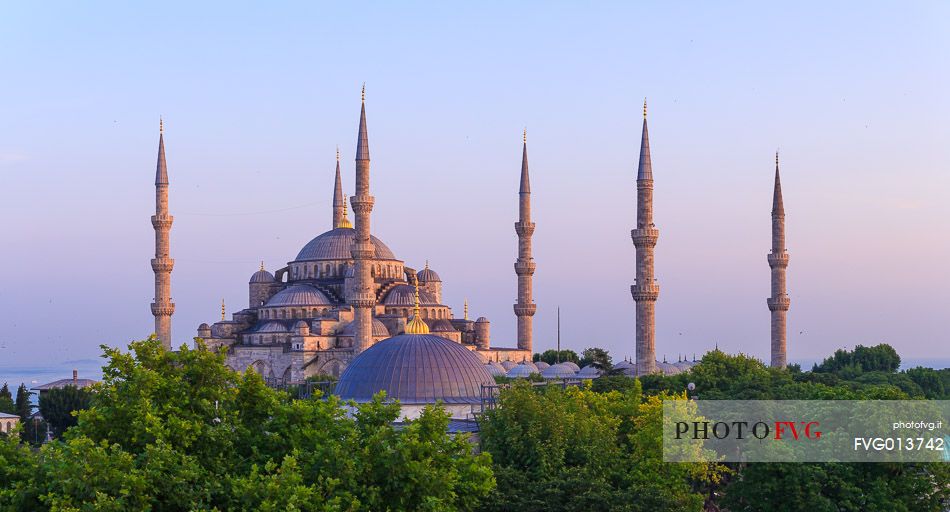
x=344 y=292
x=347 y=307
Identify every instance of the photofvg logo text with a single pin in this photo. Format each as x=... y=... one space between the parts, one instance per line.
x=740 y=430
x=805 y=430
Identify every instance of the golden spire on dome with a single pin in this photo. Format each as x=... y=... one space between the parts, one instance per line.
x=345 y=222
x=222 y=310
x=262 y=264
x=416 y=325
x=466 y=309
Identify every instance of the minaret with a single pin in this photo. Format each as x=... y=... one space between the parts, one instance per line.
x=646 y=290
x=524 y=266
x=778 y=262
x=339 y=202
x=363 y=297
x=163 y=307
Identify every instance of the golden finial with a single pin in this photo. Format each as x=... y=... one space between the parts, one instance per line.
x=644 y=108
x=161 y=126
x=222 y=310
x=427 y=264
x=416 y=325
x=524 y=136
x=345 y=222
x=363 y=94
x=262 y=264
x=466 y=309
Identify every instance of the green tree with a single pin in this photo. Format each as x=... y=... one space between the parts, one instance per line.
x=57 y=406
x=179 y=430
x=552 y=356
x=24 y=409
x=850 y=364
x=597 y=357
x=558 y=449
x=6 y=400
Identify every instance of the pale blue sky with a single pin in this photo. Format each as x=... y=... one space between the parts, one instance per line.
x=257 y=96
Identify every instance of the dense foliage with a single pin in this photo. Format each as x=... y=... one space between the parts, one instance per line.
x=554 y=357
x=59 y=405
x=570 y=448
x=6 y=400
x=180 y=431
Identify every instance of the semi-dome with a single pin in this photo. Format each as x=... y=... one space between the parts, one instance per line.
x=336 y=245
x=442 y=325
x=541 y=365
x=271 y=327
x=379 y=329
x=558 y=371
x=405 y=295
x=299 y=295
x=521 y=371
x=262 y=276
x=415 y=369
x=427 y=275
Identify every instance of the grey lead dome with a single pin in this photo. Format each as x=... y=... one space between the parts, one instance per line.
x=415 y=369
x=336 y=245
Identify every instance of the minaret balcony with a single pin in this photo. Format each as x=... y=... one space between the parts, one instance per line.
x=162 y=264
x=525 y=267
x=778 y=259
x=525 y=309
x=363 y=300
x=778 y=303
x=524 y=228
x=645 y=237
x=167 y=309
x=646 y=292
x=162 y=221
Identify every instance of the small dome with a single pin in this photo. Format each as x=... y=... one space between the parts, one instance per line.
x=204 y=327
x=507 y=365
x=558 y=371
x=415 y=369
x=379 y=329
x=405 y=295
x=541 y=365
x=336 y=245
x=271 y=327
x=299 y=295
x=441 y=325
x=495 y=369
x=521 y=371
x=589 y=372
x=624 y=364
x=530 y=364
x=667 y=368
x=572 y=365
x=427 y=275
x=262 y=276
x=481 y=320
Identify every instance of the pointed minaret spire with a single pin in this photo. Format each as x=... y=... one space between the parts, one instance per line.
x=339 y=202
x=162 y=308
x=362 y=139
x=778 y=261
x=525 y=308
x=646 y=290
x=363 y=296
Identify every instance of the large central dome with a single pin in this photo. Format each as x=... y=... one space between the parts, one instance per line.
x=415 y=369
x=336 y=244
